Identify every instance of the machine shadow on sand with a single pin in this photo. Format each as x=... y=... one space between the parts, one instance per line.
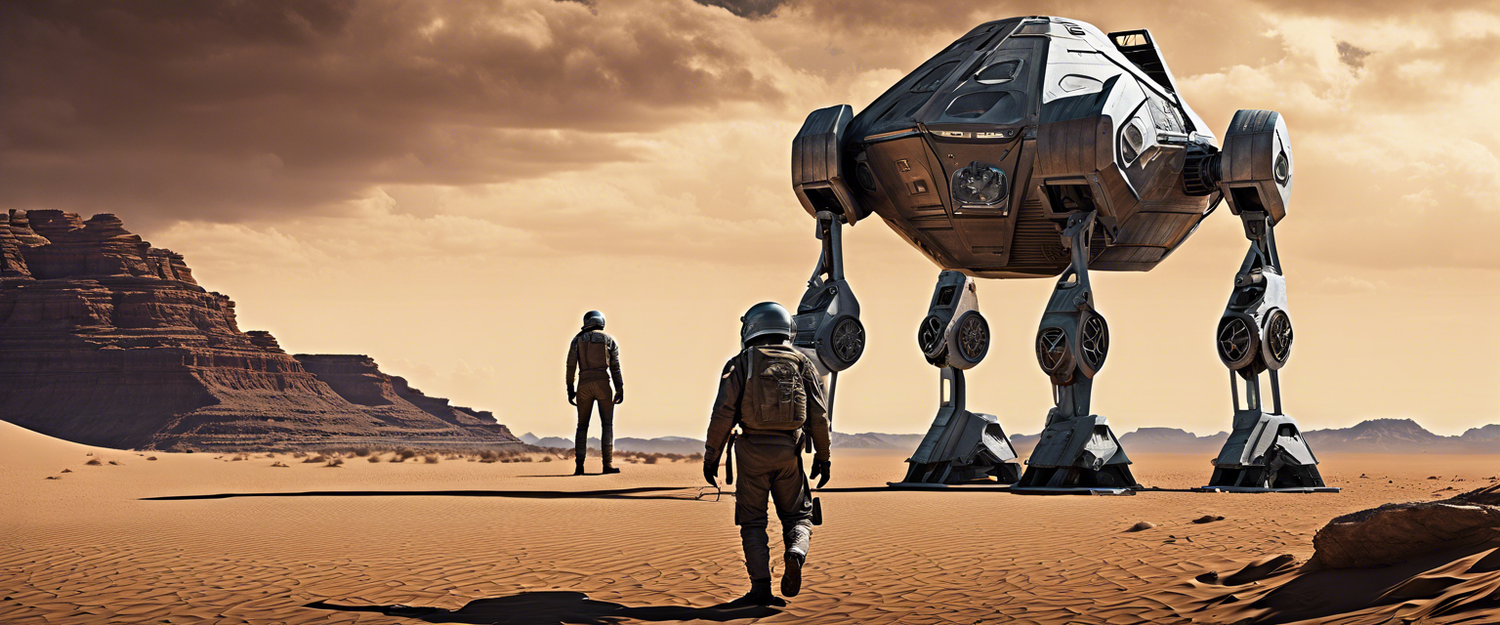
x=556 y=608
x=642 y=492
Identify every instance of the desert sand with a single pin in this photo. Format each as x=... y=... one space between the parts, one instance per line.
x=471 y=542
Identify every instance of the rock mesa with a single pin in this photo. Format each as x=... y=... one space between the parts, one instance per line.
x=106 y=340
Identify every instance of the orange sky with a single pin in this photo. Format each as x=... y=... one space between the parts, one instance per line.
x=448 y=187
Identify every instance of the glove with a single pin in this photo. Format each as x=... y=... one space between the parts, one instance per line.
x=620 y=396
x=820 y=467
x=572 y=397
x=711 y=467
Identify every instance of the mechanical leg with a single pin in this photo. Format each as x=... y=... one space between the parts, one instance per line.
x=1077 y=451
x=827 y=320
x=1266 y=451
x=961 y=446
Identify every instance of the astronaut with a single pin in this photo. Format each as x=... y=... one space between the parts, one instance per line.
x=772 y=392
x=595 y=358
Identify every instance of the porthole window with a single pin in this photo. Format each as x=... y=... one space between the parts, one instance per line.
x=997 y=73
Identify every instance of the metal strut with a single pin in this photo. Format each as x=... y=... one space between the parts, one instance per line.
x=1077 y=451
x=826 y=326
x=1265 y=451
x=960 y=447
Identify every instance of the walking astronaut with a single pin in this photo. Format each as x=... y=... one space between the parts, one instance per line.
x=773 y=393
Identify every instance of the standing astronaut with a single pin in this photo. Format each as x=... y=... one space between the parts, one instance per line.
x=595 y=358
x=773 y=393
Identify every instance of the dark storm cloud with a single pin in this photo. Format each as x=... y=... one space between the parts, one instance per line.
x=1352 y=55
x=238 y=108
x=749 y=9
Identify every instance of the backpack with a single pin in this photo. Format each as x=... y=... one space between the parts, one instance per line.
x=593 y=351
x=774 y=397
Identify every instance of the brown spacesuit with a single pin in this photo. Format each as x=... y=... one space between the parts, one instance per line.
x=773 y=393
x=595 y=357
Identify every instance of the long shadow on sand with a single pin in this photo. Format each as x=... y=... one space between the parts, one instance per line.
x=642 y=492
x=555 y=608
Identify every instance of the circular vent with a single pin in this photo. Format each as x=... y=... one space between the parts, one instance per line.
x=1279 y=339
x=1236 y=342
x=848 y=340
x=1094 y=341
x=1052 y=349
x=973 y=337
x=930 y=335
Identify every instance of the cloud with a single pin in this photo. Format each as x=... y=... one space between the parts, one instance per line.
x=749 y=9
x=661 y=128
x=1352 y=55
x=231 y=110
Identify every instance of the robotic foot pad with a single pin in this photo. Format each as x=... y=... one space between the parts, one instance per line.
x=1254 y=489
x=1001 y=488
x=1077 y=490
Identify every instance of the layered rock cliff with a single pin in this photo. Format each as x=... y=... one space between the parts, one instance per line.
x=108 y=341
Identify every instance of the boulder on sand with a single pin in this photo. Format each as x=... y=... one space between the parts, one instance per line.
x=1396 y=533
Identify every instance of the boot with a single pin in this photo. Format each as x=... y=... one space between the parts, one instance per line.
x=796 y=538
x=759 y=595
x=791 y=577
x=608 y=470
x=578 y=470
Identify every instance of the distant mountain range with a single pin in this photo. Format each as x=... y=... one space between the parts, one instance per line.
x=1372 y=436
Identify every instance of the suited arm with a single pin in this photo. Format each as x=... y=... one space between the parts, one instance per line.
x=726 y=407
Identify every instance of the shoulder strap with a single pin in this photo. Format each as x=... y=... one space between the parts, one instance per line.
x=739 y=402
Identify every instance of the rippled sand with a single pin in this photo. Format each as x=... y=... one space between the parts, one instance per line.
x=639 y=546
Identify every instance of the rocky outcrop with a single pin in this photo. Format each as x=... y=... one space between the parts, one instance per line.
x=1162 y=440
x=359 y=380
x=1399 y=532
x=108 y=341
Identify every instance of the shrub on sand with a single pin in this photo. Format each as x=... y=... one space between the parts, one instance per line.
x=315 y=459
x=335 y=462
x=151 y=458
x=653 y=458
x=374 y=458
x=279 y=463
x=546 y=458
x=489 y=455
x=361 y=451
x=93 y=462
x=430 y=459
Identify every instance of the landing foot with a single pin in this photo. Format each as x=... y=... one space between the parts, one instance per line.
x=1255 y=489
x=992 y=486
x=1075 y=490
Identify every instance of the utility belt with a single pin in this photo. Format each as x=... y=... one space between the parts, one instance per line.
x=793 y=438
x=593 y=374
x=798 y=438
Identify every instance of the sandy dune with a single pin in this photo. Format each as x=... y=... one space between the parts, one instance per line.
x=640 y=546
